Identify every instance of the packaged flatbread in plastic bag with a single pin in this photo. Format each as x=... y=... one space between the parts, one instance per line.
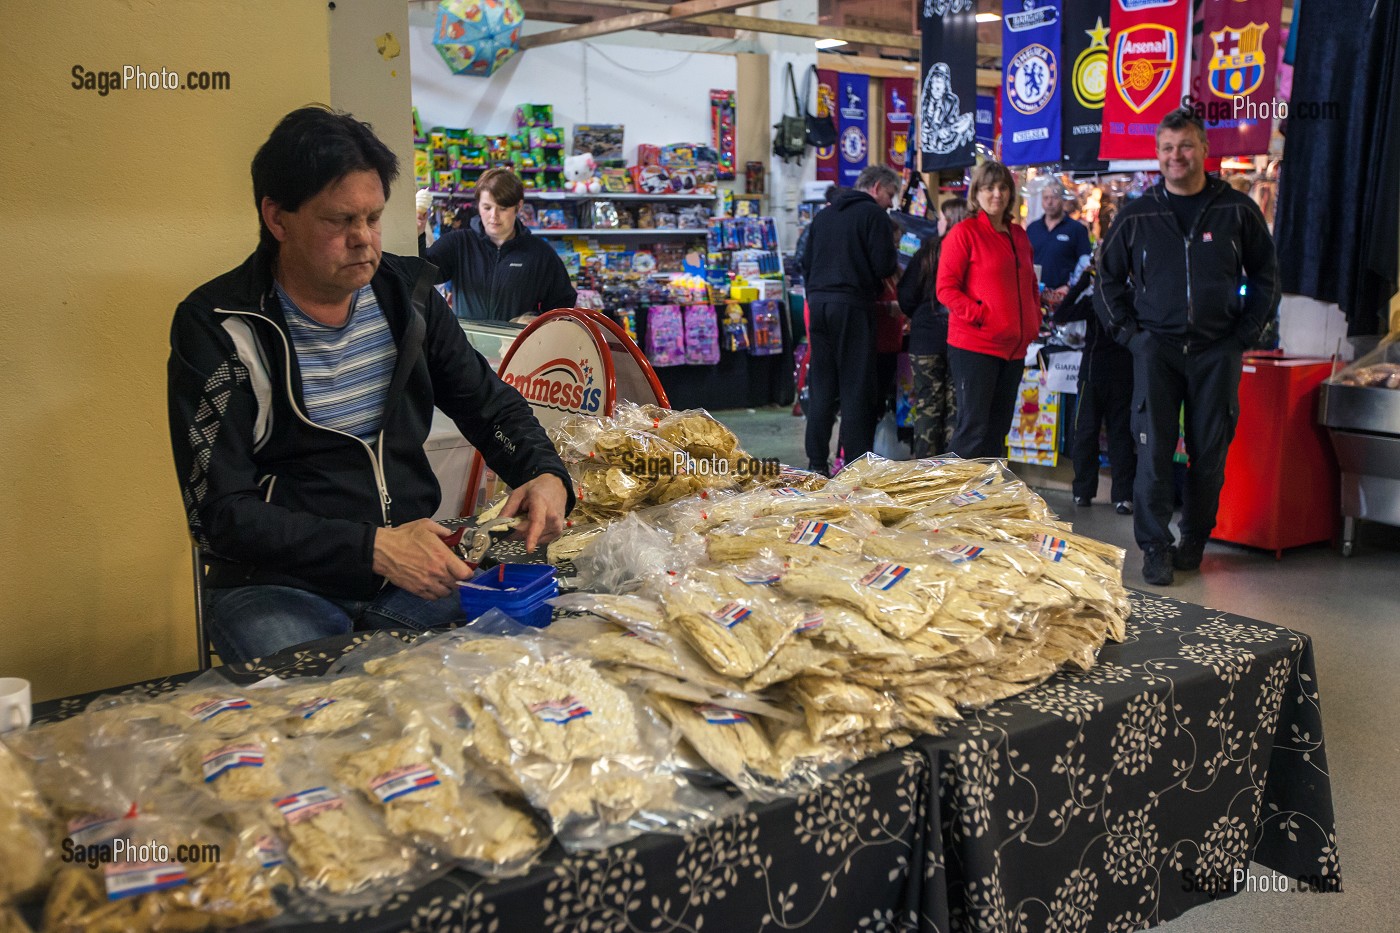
x=24 y=821
x=734 y=626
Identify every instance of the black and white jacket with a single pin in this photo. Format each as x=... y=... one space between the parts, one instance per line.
x=274 y=498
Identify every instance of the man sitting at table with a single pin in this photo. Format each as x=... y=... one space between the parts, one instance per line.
x=301 y=388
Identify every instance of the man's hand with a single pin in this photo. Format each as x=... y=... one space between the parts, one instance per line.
x=541 y=501
x=413 y=558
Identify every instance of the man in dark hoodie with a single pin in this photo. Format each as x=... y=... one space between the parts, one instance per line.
x=301 y=389
x=848 y=256
x=1169 y=290
x=499 y=270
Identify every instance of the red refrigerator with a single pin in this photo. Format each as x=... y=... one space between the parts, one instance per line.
x=1281 y=474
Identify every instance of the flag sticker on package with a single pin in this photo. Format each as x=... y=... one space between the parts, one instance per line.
x=91 y=828
x=1052 y=547
x=961 y=554
x=967 y=498
x=391 y=785
x=561 y=712
x=808 y=533
x=308 y=803
x=761 y=579
x=731 y=614
x=270 y=852
x=884 y=576
x=312 y=707
x=225 y=759
x=203 y=712
x=811 y=621
x=719 y=715
x=129 y=880
x=788 y=492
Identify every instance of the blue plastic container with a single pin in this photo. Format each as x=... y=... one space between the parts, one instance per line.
x=518 y=590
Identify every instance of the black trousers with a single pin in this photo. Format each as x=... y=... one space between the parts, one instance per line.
x=984 y=392
x=1105 y=400
x=841 y=377
x=1207 y=382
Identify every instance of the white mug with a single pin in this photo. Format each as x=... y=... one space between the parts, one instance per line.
x=15 y=708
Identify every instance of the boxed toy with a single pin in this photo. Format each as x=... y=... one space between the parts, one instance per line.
x=534 y=115
x=665 y=335
x=767 y=328
x=701 y=335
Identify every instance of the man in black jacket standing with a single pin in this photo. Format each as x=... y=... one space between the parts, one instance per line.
x=1169 y=290
x=850 y=252
x=301 y=389
x=499 y=270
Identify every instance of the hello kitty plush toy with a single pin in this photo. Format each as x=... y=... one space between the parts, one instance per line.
x=579 y=177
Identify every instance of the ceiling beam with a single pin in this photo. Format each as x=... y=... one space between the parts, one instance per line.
x=603 y=27
x=879 y=37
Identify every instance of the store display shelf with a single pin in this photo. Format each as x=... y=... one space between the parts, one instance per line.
x=636 y=231
x=606 y=196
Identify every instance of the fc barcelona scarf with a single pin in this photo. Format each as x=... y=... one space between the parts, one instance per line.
x=1235 y=73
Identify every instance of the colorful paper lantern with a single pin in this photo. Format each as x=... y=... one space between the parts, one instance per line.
x=475 y=37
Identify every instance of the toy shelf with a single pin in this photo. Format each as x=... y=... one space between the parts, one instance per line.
x=607 y=231
x=605 y=196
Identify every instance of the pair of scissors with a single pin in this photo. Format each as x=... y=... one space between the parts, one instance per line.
x=471 y=537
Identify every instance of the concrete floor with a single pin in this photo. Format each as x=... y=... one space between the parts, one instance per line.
x=1347 y=606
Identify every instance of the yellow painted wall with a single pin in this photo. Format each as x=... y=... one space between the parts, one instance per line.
x=116 y=207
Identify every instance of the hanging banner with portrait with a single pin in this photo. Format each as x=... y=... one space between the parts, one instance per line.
x=948 y=92
x=1146 y=74
x=852 y=127
x=1084 y=40
x=1030 y=81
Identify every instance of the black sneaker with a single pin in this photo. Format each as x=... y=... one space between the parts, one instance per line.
x=1188 y=553
x=1083 y=501
x=1123 y=508
x=821 y=468
x=1157 y=565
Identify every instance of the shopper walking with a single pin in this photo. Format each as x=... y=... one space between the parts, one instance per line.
x=928 y=351
x=987 y=280
x=849 y=254
x=499 y=270
x=1169 y=290
x=1104 y=400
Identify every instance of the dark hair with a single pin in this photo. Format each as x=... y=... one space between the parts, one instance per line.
x=505 y=189
x=1180 y=119
x=929 y=272
x=311 y=148
x=954 y=210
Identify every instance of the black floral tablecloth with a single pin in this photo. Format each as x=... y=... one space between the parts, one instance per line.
x=1111 y=800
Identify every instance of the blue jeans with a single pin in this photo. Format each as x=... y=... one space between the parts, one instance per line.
x=247 y=622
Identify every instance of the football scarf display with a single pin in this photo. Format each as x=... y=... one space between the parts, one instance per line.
x=1084 y=38
x=1235 y=74
x=1031 y=76
x=899 y=116
x=948 y=91
x=853 y=127
x=1146 y=81
x=826 y=107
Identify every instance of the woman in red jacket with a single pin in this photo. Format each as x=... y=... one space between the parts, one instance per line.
x=987 y=280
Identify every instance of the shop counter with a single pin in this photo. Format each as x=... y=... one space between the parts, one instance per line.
x=1113 y=799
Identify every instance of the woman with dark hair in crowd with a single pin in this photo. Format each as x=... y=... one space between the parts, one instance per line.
x=987 y=279
x=934 y=406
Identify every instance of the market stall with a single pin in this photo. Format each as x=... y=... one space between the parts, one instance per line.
x=1159 y=806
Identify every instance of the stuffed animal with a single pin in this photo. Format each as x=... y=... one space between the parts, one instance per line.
x=579 y=175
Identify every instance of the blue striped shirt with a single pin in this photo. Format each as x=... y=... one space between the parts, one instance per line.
x=346 y=370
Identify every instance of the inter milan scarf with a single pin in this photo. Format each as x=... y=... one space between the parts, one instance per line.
x=1031 y=75
x=1147 y=54
x=1085 y=44
x=948 y=92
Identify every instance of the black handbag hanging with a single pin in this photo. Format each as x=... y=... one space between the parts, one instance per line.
x=821 y=131
x=789 y=137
